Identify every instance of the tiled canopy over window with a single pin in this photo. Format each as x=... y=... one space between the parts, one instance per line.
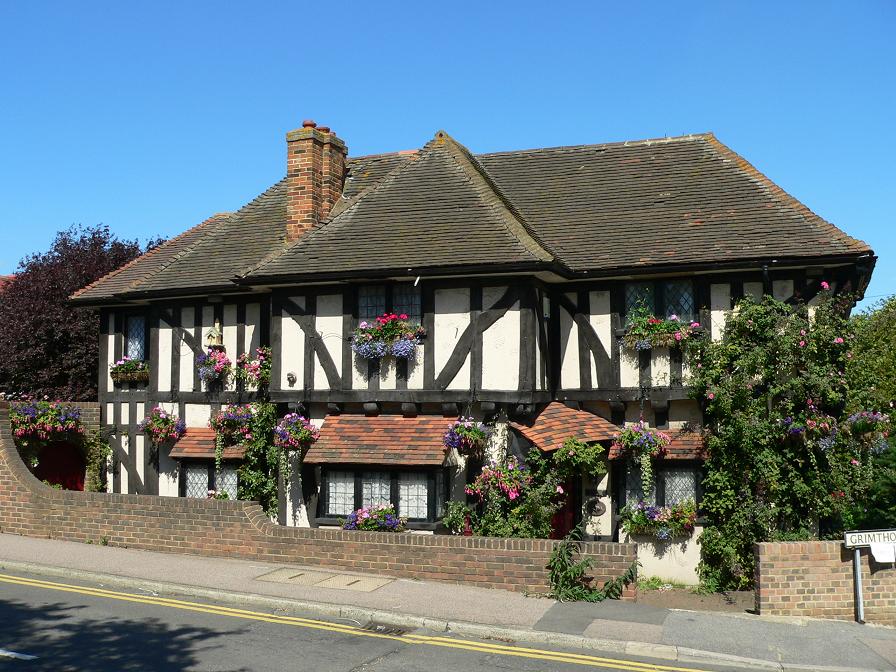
x=135 y=337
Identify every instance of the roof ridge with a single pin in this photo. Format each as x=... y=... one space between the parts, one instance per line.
x=784 y=197
x=619 y=143
x=382 y=155
x=145 y=255
x=514 y=221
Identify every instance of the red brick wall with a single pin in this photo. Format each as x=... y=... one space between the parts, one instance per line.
x=815 y=578
x=240 y=529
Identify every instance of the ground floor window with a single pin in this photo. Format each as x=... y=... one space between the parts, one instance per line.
x=198 y=477
x=419 y=495
x=672 y=484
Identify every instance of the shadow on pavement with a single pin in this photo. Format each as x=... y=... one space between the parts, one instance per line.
x=65 y=640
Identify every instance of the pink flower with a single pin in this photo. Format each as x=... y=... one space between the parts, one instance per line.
x=711 y=395
x=559 y=490
x=802 y=344
x=677 y=335
x=674 y=318
x=825 y=286
x=838 y=340
x=854 y=462
x=402 y=317
x=802 y=332
x=694 y=325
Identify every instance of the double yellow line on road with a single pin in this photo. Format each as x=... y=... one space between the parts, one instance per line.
x=447 y=642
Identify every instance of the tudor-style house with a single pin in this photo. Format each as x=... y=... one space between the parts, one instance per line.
x=522 y=268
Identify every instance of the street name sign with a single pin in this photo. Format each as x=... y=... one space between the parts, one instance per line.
x=864 y=538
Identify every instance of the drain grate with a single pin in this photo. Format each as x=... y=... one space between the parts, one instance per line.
x=384 y=629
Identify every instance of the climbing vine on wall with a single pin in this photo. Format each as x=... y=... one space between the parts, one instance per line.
x=263 y=460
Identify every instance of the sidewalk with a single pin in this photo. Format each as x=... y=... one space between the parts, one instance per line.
x=621 y=627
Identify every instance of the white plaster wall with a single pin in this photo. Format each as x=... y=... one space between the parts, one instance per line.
x=782 y=289
x=634 y=412
x=110 y=349
x=297 y=514
x=187 y=360
x=452 y=315
x=113 y=440
x=629 y=371
x=197 y=415
x=139 y=446
x=292 y=348
x=388 y=373
x=253 y=320
x=328 y=324
x=674 y=560
x=682 y=412
x=601 y=322
x=415 y=367
x=753 y=289
x=229 y=338
x=719 y=305
x=601 y=525
x=208 y=321
x=660 y=367
x=569 y=349
x=162 y=358
x=501 y=345
x=169 y=475
x=125 y=445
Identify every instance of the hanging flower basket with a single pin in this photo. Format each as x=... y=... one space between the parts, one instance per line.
x=232 y=424
x=295 y=432
x=389 y=334
x=127 y=370
x=664 y=523
x=160 y=426
x=256 y=371
x=466 y=436
x=643 y=444
x=646 y=331
x=44 y=421
x=214 y=367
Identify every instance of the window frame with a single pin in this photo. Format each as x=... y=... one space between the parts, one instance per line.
x=658 y=289
x=621 y=491
x=125 y=332
x=388 y=300
x=212 y=473
x=323 y=516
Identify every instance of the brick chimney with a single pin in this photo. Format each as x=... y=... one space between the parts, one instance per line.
x=315 y=172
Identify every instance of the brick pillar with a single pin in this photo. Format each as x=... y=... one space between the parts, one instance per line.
x=315 y=174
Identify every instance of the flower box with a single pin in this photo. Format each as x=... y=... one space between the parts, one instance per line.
x=127 y=370
x=646 y=331
x=662 y=523
x=389 y=334
x=376 y=518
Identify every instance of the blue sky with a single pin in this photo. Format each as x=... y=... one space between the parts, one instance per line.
x=148 y=117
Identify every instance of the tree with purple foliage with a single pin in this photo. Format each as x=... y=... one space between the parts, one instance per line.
x=47 y=346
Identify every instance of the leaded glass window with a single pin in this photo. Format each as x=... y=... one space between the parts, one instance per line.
x=375 y=488
x=135 y=337
x=637 y=293
x=634 y=492
x=371 y=302
x=340 y=492
x=678 y=297
x=406 y=300
x=226 y=481
x=413 y=497
x=679 y=484
x=197 y=480
x=440 y=493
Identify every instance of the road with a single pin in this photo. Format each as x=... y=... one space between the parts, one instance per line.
x=61 y=626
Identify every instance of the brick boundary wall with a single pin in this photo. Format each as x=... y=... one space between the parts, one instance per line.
x=90 y=414
x=241 y=530
x=815 y=578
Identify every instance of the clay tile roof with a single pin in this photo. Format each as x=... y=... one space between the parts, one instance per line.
x=686 y=445
x=381 y=439
x=557 y=422
x=199 y=443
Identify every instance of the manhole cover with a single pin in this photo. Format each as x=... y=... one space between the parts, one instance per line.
x=383 y=629
x=364 y=584
x=297 y=577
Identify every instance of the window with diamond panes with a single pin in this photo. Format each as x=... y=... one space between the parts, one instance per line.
x=413 y=495
x=406 y=300
x=440 y=493
x=226 y=481
x=678 y=297
x=340 y=493
x=634 y=492
x=135 y=337
x=637 y=293
x=375 y=488
x=371 y=302
x=679 y=484
x=197 y=480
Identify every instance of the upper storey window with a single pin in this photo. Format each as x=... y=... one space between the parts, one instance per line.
x=663 y=298
x=399 y=298
x=135 y=337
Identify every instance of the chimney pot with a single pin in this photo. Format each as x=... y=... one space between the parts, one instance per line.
x=309 y=123
x=323 y=129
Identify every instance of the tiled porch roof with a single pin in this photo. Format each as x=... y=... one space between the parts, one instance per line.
x=557 y=422
x=686 y=445
x=381 y=439
x=199 y=443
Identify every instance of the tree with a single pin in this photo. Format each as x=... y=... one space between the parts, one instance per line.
x=47 y=346
x=872 y=375
x=787 y=460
